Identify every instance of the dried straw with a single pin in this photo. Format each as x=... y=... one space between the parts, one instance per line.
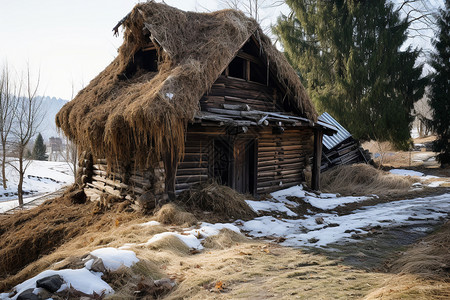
x=362 y=179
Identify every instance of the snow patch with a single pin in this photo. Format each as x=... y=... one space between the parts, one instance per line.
x=114 y=258
x=150 y=223
x=336 y=228
x=81 y=280
x=258 y=206
x=405 y=172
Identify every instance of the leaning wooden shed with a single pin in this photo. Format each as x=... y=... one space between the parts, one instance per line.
x=340 y=148
x=191 y=97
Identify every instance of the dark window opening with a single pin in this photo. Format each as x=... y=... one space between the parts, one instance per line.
x=142 y=60
x=237 y=68
x=251 y=48
x=258 y=73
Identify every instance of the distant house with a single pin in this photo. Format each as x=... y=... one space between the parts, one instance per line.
x=55 y=144
x=193 y=97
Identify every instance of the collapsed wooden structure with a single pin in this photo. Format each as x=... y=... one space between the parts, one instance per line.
x=193 y=97
x=341 y=148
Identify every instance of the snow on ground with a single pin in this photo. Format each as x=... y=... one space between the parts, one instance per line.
x=150 y=223
x=308 y=232
x=405 y=172
x=41 y=177
x=83 y=280
x=259 y=206
x=114 y=258
x=421 y=176
x=323 y=201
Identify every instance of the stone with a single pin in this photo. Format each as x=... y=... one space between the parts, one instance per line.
x=98 y=266
x=50 y=283
x=43 y=293
x=320 y=220
x=28 y=295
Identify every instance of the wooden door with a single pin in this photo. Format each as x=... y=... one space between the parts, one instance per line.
x=244 y=158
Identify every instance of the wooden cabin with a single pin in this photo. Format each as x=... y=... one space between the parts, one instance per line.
x=193 y=97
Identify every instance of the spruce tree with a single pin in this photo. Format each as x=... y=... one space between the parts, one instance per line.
x=39 y=149
x=348 y=55
x=440 y=87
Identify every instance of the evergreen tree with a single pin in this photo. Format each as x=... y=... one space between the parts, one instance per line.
x=348 y=56
x=440 y=87
x=39 y=149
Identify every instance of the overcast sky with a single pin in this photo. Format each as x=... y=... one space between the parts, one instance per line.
x=70 y=42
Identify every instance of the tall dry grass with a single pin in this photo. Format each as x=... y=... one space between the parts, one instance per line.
x=363 y=179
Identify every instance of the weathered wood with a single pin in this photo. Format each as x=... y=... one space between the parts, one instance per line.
x=191 y=178
x=317 y=158
x=143 y=182
x=100 y=167
x=115 y=183
x=192 y=171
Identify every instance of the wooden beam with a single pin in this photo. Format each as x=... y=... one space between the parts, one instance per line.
x=317 y=158
x=170 y=166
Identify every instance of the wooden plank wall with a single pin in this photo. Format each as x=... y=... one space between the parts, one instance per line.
x=228 y=90
x=282 y=158
x=193 y=168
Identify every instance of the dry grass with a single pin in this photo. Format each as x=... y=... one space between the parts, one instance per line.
x=218 y=199
x=133 y=119
x=430 y=258
x=171 y=214
x=226 y=239
x=422 y=272
x=362 y=179
x=410 y=287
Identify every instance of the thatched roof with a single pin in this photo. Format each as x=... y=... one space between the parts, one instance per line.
x=146 y=115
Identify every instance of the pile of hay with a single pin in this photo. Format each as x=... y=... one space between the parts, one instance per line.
x=139 y=117
x=363 y=179
x=171 y=214
x=218 y=199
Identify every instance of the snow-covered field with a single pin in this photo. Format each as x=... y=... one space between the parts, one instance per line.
x=41 y=177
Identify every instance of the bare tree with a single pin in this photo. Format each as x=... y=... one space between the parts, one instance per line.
x=8 y=106
x=253 y=8
x=71 y=156
x=27 y=120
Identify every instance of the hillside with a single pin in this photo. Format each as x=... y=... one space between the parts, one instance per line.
x=50 y=107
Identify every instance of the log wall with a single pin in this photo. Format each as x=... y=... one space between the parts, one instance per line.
x=282 y=158
x=121 y=182
x=227 y=90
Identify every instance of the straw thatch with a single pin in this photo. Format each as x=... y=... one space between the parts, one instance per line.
x=138 y=118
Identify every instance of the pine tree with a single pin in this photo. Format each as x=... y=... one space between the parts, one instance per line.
x=440 y=87
x=348 y=56
x=39 y=149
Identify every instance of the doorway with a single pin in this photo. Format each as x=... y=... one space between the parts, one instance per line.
x=235 y=163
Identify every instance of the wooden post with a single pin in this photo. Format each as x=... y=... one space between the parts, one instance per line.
x=317 y=159
x=170 y=166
